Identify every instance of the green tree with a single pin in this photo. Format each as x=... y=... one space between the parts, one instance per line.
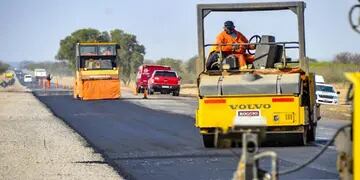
x=175 y=64
x=191 y=65
x=68 y=44
x=3 y=67
x=131 y=54
x=186 y=70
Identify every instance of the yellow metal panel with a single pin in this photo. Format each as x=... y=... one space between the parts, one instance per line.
x=78 y=85
x=220 y=112
x=9 y=75
x=100 y=72
x=355 y=79
x=302 y=115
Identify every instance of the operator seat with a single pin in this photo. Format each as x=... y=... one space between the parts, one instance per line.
x=231 y=60
x=267 y=55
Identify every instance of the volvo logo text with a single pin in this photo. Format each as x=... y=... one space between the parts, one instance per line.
x=250 y=106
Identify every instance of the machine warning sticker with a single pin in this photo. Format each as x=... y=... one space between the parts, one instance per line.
x=248 y=113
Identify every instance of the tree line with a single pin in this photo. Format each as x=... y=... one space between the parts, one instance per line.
x=185 y=69
x=60 y=68
x=3 y=67
x=333 y=71
x=347 y=58
x=130 y=55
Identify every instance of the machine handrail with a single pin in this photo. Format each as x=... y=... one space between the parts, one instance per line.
x=247 y=44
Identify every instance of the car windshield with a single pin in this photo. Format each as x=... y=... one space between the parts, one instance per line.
x=324 y=88
x=27 y=76
x=165 y=73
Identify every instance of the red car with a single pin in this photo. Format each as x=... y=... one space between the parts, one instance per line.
x=165 y=82
x=144 y=73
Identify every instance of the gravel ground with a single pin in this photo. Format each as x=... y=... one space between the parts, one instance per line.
x=16 y=87
x=34 y=144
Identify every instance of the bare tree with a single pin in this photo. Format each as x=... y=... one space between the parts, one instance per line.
x=347 y=58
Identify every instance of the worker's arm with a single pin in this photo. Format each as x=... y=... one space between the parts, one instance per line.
x=245 y=40
x=221 y=39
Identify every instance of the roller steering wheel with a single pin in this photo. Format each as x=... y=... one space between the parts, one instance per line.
x=257 y=39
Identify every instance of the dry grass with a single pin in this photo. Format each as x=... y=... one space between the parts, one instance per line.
x=342 y=110
x=333 y=72
x=189 y=90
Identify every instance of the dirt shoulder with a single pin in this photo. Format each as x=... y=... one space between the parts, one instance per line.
x=34 y=144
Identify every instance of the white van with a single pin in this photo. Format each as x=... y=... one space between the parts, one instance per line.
x=326 y=94
x=40 y=74
x=27 y=78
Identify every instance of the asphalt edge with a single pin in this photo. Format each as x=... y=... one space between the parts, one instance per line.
x=106 y=158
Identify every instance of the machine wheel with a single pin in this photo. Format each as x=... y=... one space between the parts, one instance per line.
x=302 y=138
x=257 y=39
x=208 y=140
x=176 y=93
x=74 y=91
x=138 y=90
x=311 y=133
x=150 y=91
x=224 y=143
x=77 y=97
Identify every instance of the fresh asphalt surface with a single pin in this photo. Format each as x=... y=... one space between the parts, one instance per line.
x=156 y=138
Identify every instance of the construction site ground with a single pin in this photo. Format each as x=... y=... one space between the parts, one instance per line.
x=34 y=144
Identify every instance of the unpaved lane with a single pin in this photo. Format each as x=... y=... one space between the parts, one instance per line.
x=36 y=145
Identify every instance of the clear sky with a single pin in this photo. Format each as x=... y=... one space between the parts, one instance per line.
x=32 y=29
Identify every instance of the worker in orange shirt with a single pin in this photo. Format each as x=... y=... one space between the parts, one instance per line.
x=233 y=38
x=48 y=79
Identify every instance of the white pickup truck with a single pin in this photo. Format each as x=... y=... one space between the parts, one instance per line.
x=325 y=93
x=39 y=74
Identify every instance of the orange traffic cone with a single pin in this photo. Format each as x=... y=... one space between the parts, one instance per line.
x=145 y=93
